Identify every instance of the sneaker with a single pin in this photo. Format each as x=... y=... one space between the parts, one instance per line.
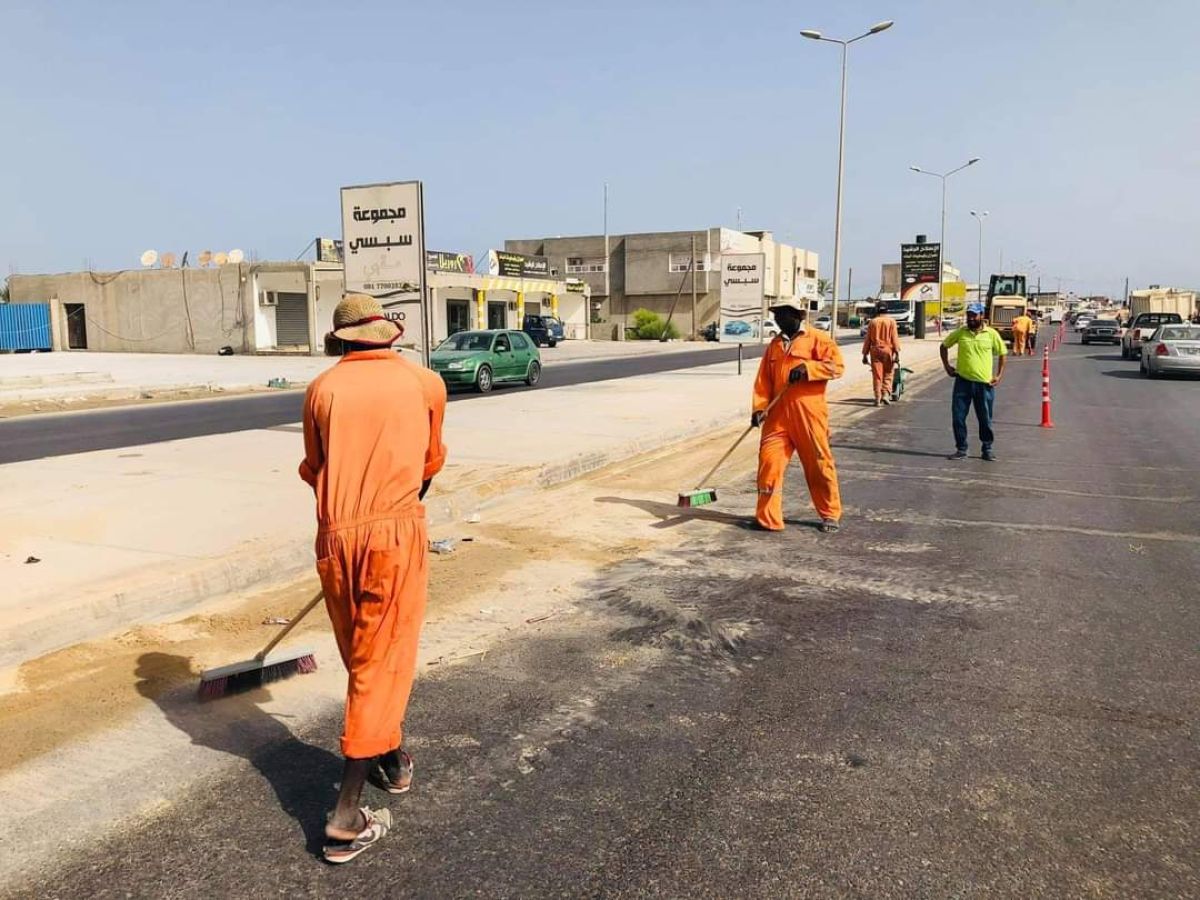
x=878 y=402
x=989 y=456
x=958 y=454
x=887 y=401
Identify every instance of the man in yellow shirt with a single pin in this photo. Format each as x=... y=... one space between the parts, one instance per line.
x=974 y=381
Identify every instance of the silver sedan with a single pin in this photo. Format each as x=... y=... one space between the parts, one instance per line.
x=1172 y=348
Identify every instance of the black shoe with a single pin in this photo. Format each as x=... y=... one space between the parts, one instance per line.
x=958 y=454
x=989 y=456
x=829 y=526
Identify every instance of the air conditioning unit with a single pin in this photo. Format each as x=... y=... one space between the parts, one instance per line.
x=268 y=298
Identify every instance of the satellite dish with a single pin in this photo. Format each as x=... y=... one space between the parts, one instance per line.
x=219 y=258
x=149 y=258
x=167 y=260
x=205 y=257
x=236 y=256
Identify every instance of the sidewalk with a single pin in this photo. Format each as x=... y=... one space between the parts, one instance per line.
x=145 y=534
x=79 y=376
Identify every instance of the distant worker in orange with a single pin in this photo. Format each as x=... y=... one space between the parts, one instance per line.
x=881 y=351
x=1020 y=329
x=1035 y=322
x=794 y=370
x=372 y=444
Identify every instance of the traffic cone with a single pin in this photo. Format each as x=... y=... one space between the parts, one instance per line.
x=1046 y=421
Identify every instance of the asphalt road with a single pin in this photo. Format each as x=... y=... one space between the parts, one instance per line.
x=41 y=436
x=985 y=685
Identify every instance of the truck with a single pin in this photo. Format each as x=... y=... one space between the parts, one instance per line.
x=1159 y=300
x=903 y=311
x=1006 y=299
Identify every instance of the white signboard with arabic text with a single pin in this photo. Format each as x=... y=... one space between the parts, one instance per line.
x=742 y=289
x=383 y=248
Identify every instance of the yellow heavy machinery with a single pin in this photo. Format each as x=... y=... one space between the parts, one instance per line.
x=1006 y=299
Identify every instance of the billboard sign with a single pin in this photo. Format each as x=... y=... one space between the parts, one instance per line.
x=920 y=271
x=329 y=250
x=457 y=263
x=517 y=265
x=383 y=244
x=743 y=283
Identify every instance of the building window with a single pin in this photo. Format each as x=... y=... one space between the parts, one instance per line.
x=577 y=265
x=810 y=273
x=681 y=262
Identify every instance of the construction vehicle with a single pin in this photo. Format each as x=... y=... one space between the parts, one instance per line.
x=1006 y=299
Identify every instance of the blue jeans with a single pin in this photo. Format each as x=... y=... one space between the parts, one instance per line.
x=982 y=397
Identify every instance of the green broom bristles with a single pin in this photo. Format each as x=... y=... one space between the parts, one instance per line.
x=699 y=497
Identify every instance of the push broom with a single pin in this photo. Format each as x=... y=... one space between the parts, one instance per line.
x=702 y=496
x=259 y=670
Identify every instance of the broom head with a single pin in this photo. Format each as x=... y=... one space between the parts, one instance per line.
x=254 y=673
x=698 y=497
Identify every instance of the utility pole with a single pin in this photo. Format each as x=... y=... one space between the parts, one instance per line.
x=1126 y=290
x=695 y=333
x=612 y=310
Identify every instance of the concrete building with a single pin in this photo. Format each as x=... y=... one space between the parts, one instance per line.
x=649 y=271
x=281 y=307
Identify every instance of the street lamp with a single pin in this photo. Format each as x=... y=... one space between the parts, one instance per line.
x=837 y=227
x=942 y=266
x=979 y=217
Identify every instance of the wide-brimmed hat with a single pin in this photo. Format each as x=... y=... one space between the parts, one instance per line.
x=359 y=319
x=788 y=303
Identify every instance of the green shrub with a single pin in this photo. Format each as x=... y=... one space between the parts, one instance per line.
x=649 y=326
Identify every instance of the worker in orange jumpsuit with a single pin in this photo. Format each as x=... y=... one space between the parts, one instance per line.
x=372 y=444
x=1020 y=330
x=791 y=381
x=881 y=351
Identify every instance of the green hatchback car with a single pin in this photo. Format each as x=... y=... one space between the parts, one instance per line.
x=482 y=359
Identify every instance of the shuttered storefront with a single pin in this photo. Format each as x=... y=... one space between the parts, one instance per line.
x=291 y=320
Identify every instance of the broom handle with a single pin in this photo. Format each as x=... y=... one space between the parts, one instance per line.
x=262 y=654
x=737 y=443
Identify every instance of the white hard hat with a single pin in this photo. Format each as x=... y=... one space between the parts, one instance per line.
x=788 y=303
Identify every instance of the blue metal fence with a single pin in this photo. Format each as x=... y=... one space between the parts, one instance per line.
x=25 y=326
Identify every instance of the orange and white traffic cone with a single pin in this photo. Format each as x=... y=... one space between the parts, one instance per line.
x=1046 y=421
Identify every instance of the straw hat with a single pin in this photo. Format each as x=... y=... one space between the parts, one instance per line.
x=789 y=303
x=359 y=319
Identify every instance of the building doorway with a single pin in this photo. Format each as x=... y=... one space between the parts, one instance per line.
x=76 y=326
x=291 y=320
x=458 y=316
x=497 y=315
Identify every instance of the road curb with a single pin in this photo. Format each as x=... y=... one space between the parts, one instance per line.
x=166 y=594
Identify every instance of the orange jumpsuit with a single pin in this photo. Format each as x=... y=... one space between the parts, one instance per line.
x=372 y=435
x=882 y=347
x=798 y=423
x=1020 y=333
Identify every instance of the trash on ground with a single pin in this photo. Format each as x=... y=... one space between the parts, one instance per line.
x=30 y=560
x=445 y=545
x=474 y=518
x=278 y=383
x=276 y=620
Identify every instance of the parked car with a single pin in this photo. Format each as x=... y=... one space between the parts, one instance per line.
x=546 y=330
x=482 y=359
x=1141 y=328
x=709 y=332
x=1106 y=331
x=770 y=329
x=825 y=323
x=1172 y=348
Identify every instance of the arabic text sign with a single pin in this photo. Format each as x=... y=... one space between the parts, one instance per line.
x=517 y=265
x=742 y=285
x=457 y=263
x=920 y=266
x=383 y=240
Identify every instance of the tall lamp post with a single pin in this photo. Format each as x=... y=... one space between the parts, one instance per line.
x=942 y=238
x=979 y=217
x=837 y=227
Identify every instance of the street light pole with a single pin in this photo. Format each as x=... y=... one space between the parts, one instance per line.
x=837 y=226
x=942 y=238
x=979 y=217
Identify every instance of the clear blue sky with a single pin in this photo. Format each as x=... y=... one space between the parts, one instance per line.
x=233 y=124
